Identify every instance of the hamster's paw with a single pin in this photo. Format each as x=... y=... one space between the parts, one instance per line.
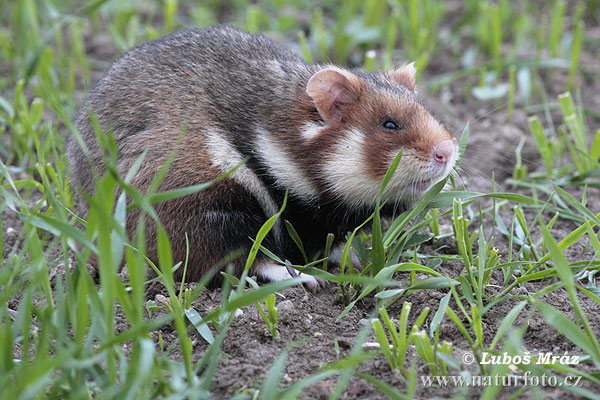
x=335 y=256
x=272 y=272
x=312 y=284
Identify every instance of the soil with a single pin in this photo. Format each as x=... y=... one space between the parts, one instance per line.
x=308 y=326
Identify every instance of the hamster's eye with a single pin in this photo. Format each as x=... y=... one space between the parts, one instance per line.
x=391 y=125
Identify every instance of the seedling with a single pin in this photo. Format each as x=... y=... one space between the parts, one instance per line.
x=429 y=353
x=396 y=351
x=270 y=317
x=572 y=137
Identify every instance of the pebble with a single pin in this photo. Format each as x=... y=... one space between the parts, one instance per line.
x=285 y=306
x=286 y=310
x=160 y=299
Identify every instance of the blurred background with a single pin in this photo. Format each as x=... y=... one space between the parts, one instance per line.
x=62 y=42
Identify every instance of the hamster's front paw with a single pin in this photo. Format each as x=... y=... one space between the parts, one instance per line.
x=271 y=272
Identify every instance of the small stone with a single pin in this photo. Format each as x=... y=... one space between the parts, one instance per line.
x=238 y=313
x=160 y=299
x=285 y=306
x=286 y=310
x=317 y=334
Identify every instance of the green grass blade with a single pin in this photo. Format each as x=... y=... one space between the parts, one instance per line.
x=296 y=238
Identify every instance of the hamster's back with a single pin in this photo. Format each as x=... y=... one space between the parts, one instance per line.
x=189 y=80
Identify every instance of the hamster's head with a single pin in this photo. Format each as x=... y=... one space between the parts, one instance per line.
x=367 y=119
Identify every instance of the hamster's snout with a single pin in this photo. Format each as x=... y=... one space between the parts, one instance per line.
x=443 y=152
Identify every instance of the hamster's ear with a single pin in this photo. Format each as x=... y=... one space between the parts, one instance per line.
x=333 y=89
x=404 y=76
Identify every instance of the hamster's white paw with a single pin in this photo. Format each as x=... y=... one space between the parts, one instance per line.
x=272 y=272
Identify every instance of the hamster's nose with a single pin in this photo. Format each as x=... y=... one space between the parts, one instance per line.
x=443 y=151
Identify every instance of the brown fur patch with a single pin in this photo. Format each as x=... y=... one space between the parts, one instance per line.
x=418 y=132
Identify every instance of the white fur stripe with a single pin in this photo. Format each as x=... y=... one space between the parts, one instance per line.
x=287 y=174
x=311 y=130
x=345 y=171
x=224 y=156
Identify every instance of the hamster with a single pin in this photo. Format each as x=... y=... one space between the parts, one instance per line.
x=215 y=97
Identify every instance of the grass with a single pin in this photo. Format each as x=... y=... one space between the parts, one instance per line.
x=59 y=334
